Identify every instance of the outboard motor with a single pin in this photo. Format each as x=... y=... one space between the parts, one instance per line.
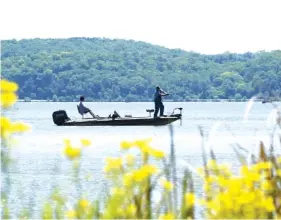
x=60 y=117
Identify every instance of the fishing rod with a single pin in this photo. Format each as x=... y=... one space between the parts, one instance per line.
x=163 y=91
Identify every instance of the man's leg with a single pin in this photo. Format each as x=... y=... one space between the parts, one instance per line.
x=92 y=114
x=89 y=111
x=156 y=110
x=161 y=109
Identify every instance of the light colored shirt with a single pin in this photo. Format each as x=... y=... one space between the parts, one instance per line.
x=82 y=108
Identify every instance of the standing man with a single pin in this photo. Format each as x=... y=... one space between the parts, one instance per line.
x=158 y=101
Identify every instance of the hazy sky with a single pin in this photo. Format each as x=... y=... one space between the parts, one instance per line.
x=205 y=26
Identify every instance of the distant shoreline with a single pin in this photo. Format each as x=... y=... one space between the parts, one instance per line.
x=191 y=100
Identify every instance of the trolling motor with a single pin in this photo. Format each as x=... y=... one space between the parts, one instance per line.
x=178 y=115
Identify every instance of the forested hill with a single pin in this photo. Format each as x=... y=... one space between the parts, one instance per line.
x=121 y=70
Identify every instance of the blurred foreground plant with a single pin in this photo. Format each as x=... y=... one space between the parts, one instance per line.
x=133 y=181
x=8 y=128
x=255 y=193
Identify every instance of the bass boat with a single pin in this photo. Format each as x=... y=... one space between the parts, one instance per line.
x=60 y=118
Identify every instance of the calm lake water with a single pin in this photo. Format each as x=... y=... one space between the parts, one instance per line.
x=40 y=164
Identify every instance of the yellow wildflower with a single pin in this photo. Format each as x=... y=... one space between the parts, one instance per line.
x=18 y=127
x=144 y=172
x=235 y=186
x=267 y=185
x=255 y=168
x=119 y=192
x=226 y=197
x=72 y=152
x=5 y=122
x=278 y=159
x=252 y=176
x=269 y=204
x=142 y=143
x=225 y=169
x=150 y=169
x=246 y=198
x=47 y=212
x=248 y=212
x=244 y=170
x=189 y=199
x=139 y=175
x=113 y=164
x=126 y=145
x=71 y=214
x=58 y=198
x=131 y=210
x=167 y=184
x=85 y=142
x=67 y=142
x=167 y=216
x=5 y=127
x=213 y=206
x=278 y=172
x=84 y=203
x=207 y=188
x=144 y=146
x=266 y=174
x=8 y=128
x=201 y=171
x=202 y=202
x=211 y=179
x=227 y=201
x=130 y=159
x=128 y=179
x=249 y=184
x=222 y=181
x=7 y=86
x=8 y=99
x=157 y=154
x=146 y=149
x=212 y=164
x=264 y=165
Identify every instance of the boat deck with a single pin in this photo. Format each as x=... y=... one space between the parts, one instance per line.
x=127 y=121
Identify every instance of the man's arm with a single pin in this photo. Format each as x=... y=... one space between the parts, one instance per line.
x=163 y=93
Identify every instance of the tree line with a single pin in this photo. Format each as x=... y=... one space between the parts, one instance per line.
x=125 y=70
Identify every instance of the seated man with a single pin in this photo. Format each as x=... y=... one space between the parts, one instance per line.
x=84 y=110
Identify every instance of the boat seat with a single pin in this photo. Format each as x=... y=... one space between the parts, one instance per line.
x=81 y=113
x=150 y=111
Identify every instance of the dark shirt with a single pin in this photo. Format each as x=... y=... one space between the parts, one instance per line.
x=157 y=96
